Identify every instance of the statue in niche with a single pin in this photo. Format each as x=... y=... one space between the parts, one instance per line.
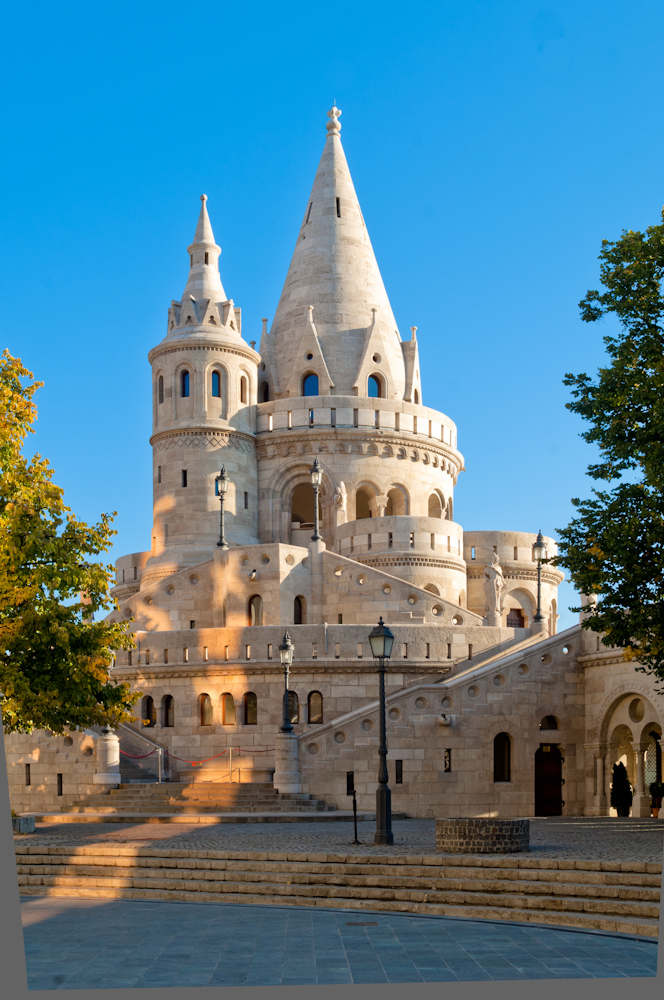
x=494 y=584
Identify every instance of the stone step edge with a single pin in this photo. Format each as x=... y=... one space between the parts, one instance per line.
x=643 y=927
x=576 y=904
x=548 y=876
x=507 y=887
x=227 y=817
x=420 y=860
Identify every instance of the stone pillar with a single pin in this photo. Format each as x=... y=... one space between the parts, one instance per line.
x=286 y=763
x=641 y=801
x=538 y=628
x=492 y=618
x=108 y=760
x=596 y=797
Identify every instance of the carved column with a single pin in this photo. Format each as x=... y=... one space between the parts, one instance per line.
x=377 y=506
x=596 y=773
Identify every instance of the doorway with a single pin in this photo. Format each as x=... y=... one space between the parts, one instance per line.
x=549 y=780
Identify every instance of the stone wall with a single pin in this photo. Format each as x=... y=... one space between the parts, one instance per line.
x=482 y=836
x=72 y=755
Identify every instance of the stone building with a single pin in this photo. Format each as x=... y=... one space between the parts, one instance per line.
x=489 y=710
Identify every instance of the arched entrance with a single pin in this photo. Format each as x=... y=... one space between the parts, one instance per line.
x=549 y=780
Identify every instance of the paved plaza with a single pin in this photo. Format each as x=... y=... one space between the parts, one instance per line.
x=85 y=943
x=82 y=944
x=582 y=838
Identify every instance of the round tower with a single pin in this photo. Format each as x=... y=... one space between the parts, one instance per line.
x=204 y=384
x=337 y=380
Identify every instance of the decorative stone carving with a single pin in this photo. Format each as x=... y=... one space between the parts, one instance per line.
x=494 y=584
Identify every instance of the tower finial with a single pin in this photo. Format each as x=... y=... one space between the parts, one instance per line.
x=203 y=197
x=333 y=126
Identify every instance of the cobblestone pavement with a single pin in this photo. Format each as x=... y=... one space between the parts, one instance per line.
x=83 y=944
x=583 y=838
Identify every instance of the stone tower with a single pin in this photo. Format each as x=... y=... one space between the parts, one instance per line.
x=204 y=379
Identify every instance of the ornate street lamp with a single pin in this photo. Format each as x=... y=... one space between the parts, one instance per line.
x=222 y=481
x=539 y=553
x=382 y=640
x=316 y=474
x=286 y=650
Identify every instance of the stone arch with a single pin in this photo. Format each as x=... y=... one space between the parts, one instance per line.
x=599 y=732
x=521 y=600
x=432 y=588
x=310 y=383
x=398 y=501
x=364 y=493
x=436 y=504
x=376 y=386
x=294 y=473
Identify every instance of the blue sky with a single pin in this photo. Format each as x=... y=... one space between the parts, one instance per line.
x=492 y=144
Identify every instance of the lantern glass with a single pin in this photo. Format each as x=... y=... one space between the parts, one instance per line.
x=286 y=650
x=316 y=473
x=223 y=480
x=381 y=641
x=539 y=548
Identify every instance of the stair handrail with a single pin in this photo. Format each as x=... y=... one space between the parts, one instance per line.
x=163 y=751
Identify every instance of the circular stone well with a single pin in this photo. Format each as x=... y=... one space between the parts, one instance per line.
x=482 y=836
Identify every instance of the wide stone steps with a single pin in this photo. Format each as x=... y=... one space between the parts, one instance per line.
x=603 y=898
x=173 y=798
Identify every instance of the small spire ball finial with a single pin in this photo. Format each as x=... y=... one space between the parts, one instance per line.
x=203 y=197
x=333 y=126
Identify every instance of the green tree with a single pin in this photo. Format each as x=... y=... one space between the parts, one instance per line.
x=54 y=658
x=614 y=548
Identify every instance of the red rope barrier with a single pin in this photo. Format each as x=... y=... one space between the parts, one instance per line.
x=194 y=762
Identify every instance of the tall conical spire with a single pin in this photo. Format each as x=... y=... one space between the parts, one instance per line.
x=204 y=281
x=334 y=269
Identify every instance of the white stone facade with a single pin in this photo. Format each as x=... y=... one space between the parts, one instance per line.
x=475 y=683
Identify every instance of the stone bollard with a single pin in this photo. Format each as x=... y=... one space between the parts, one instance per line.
x=482 y=836
x=108 y=759
x=286 y=763
x=23 y=824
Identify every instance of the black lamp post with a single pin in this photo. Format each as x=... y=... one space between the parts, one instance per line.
x=539 y=553
x=382 y=640
x=316 y=474
x=222 y=481
x=286 y=650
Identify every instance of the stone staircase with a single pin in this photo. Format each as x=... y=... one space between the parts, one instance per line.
x=137 y=800
x=592 y=895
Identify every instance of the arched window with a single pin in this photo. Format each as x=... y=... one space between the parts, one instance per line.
x=265 y=392
x=375 y=387
x=243 y=390
x=148 y=712
x=435 y=506
x=250 y=705
x=227 y=709
x=310 y=385
x=168 y=711
x=501 y=757
x=397 y=502
x=184 y=383
x=205 y=709
x=216 y=384
x=255 y=610
x=160 y=389
x=549 y=722
x=293 y=707
x=315 y=708
x=299 y=611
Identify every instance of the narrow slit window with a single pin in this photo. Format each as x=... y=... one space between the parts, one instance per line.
x=135 y=572
x=243 y=390
x=433 y=541
x=309 y=212
x=59 y=781
x=246 y=500
x=404 y=651
x=184 y=478
x=338 y=208
x=290 y=419
x=147 y=657
x=226 y=652
x=414 y=425
x=398 y=772
x=191 y=260
x=516 y=554
x=184 y=384
x=368 y=541
x=311 y=418
x=427 y=653
x=359 y=650
x=397 y=421
x=449 y=651
x=27 y=774
x=412 y=539
x=216 y=384
x=160 y=389
x=205 y=653
x=337 y=651
x=472 y=551
x=185 y=655
x=247 y=652
x=390 y=539
x=158 y=473
x=165 y=656
x=376 y=418
x=314 y=650
x=192 y=623
x=340 y=619
x=269 y=650
x=207 y=257
x=470 y=651
x=333 y=417
x=356 y=418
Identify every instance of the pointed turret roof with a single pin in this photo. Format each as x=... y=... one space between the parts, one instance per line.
x=204 y=281
x=334 y=269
